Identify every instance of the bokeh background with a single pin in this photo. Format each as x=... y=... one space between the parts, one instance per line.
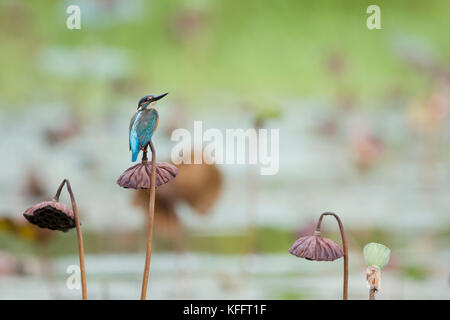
x=364 y=132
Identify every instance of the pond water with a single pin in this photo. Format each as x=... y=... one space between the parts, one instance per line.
x=405 y=194
x=205 y=276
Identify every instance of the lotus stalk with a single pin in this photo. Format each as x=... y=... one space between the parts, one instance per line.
x=318 y=248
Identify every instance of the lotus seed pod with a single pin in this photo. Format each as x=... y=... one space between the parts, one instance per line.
x=51 y=215
x=376 y=254
x=316 y=248
x=139 y=176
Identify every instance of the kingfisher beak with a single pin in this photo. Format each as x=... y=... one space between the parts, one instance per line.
x=160 y=96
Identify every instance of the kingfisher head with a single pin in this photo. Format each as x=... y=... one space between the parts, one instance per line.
x=149 y=101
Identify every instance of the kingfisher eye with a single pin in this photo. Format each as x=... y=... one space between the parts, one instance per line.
x=143 y=100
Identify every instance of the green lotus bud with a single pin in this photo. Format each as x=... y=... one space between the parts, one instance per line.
x=376 y=254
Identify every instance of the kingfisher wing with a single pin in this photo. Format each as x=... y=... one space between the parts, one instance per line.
x=131 y=126
x=147 y=124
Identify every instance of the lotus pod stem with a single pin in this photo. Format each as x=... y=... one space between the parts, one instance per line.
x=151 y=214
x=344 y=244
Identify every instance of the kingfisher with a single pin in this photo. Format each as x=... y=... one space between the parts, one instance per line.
x=143 y=124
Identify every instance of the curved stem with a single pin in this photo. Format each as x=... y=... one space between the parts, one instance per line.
x=344 y=244
x=58 y=192
x=151 y=214
x=79 y=234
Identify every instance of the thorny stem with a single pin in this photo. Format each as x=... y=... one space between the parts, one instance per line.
x=151 y=214
x=79 y=234
x=344 y=244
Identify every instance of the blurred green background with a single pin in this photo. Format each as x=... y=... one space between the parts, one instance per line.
x=364 y=131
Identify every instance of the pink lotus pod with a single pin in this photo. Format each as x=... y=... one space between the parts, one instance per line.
x=51 y=215
x=316 y=248
x=139 y=176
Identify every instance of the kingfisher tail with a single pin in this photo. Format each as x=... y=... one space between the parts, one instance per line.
x=134 y=146
x=134 y=155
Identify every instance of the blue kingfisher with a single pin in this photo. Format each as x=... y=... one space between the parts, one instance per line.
x=143 y=124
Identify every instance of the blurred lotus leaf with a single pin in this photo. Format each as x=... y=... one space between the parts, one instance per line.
x=25 y=231
x=34 y=187
x=198 y=185
x=166 y=220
